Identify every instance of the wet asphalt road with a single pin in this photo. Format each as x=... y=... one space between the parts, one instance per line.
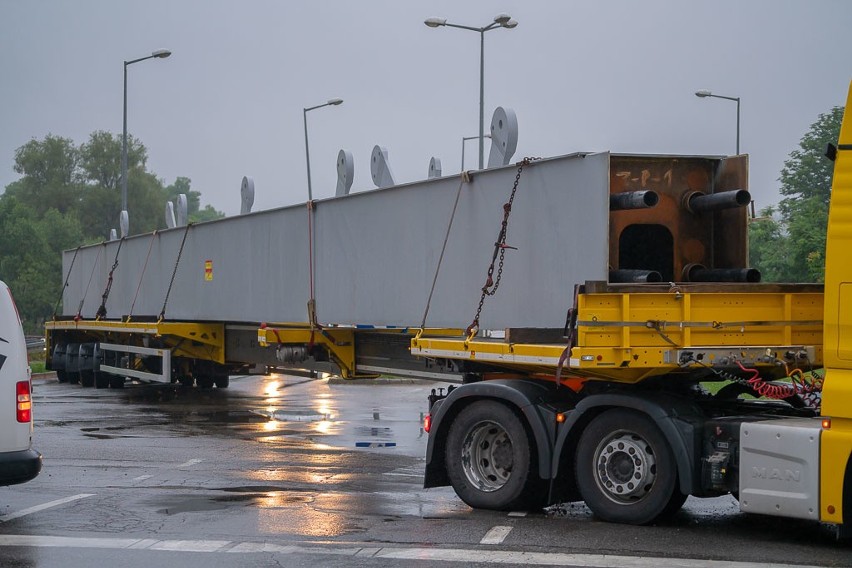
x=270 y=473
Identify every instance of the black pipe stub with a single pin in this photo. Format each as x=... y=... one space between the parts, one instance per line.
x=699 y=273
x=698 y=201
x=625 y=276
x=627 y=200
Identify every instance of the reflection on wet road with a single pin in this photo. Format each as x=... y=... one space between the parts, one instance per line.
x=332 y=415
x=300 y=466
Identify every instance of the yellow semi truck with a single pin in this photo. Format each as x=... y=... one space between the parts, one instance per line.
x=675 y=373
x=621 y=419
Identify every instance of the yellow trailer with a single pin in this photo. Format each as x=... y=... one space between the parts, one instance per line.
x=679 y=375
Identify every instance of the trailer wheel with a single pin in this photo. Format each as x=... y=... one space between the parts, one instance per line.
x=626 y=472
x=490 y=461
x=101 y=380
x=222 y=381
x=116 y=382
x=72 y=365
x=57 y=362
x=87 y=378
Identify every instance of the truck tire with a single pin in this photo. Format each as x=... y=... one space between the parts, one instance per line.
x=490 y=459
x=101 y=380
x=72 y=369
x=222 y=381
x=87 y=378
x=57 y=361
x=625 y=469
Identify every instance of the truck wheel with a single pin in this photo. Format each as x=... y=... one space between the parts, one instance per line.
x=57 y=362
x=87 y=378
x=116 y=382
x=626 y=472
x=101 y=380
x=222 y=381
x=490 y=461
x=72 y=366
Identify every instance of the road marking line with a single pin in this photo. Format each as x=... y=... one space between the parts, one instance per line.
x=189 y=463
x=496 y=535
x=44 y=506
x=518 y=514
x=140 y=478
x=144 y=543
x=459 y=555
x=189 y=545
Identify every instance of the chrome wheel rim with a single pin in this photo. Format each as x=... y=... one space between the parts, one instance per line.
x=625 y=467
x=487 y=456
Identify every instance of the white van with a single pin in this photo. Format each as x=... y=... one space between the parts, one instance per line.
x=18 y=461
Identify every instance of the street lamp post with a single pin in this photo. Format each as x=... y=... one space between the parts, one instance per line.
x=500 y=21
x=159 y=54
x=307 y=152
x=704 y=94
x=465 y=139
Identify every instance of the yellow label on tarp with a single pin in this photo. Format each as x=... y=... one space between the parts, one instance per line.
x=208 y=270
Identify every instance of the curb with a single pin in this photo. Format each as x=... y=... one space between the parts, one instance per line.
x=47 y=375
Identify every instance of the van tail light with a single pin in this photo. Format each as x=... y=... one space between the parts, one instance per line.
x=25 y=403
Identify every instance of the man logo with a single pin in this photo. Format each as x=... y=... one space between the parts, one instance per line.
x=776 y=474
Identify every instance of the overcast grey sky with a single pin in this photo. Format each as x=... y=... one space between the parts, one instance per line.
x=586 y=75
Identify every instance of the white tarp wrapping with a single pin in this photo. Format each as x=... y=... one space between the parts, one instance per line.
x=376 y=253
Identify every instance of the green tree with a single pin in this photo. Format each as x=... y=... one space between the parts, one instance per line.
x=100 y=159
x=68 y=196
x=30 y=262
x=806 y=187
x=792 y=248
x=767 y=247
x=50 y=174
x=209 y=213
x=193 y=201
x=100 y=165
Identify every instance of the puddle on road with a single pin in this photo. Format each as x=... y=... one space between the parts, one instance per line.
x=268 y=499
x=294 y=415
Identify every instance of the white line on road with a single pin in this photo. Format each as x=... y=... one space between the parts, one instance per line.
x=140 y=478
x=496 y=535
x=459 y=555
x=190 y=463
x=44 y=506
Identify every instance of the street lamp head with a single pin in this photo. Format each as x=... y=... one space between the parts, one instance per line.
x=334 y=101
x=161 y=53
x=435 y=22
x=502 y=19
x=511 y=24
x=703 y=93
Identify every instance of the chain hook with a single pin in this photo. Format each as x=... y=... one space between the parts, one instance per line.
x=499 y=254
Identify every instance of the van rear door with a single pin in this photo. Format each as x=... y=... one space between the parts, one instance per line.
x=18 y=461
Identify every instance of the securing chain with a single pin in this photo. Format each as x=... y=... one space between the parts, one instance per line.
x=492 y=283
x=102 y=311
x=174 y=273
x=67 y=278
